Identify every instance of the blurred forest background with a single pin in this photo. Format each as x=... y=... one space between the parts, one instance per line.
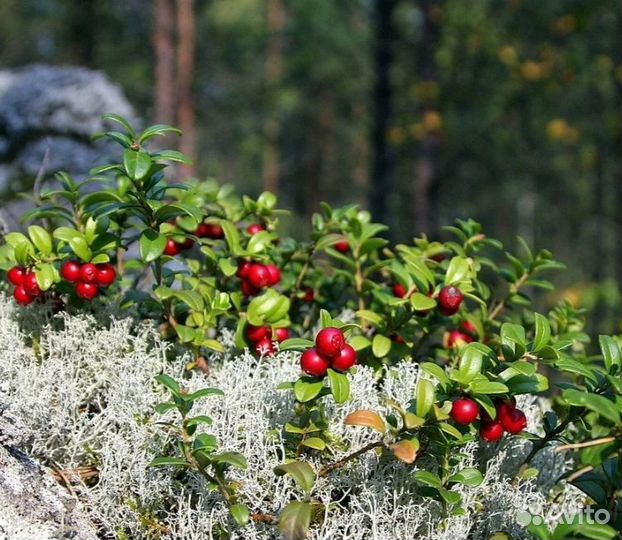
x=508 y=111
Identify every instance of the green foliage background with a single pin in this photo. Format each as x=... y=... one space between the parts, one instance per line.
x=515 y=105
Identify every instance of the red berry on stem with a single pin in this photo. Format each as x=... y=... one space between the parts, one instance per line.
x=455 y=338
x=30 y=284
x=21 y=296
x=88 y=291
x=243 y=269
x=464 y=411
x=202 y=230
x=70 y=271
x=275 y=274
x=255 y=333
x=342 y=246
x=399 y=290
x=172 y=248
x=259 y=276
x=254 y=228
x=249 y=289
x=344 y=359
x=16 y=275
x=512 y=419
x=265 y=347
x=187 y=243
x=88 y=273
x=313 y=363
x=490 y=430
x=215 y=232
x=469 y=328
x=330 y=341
x=449 y=300
x=309 y=295
x=281 y=334
x=106 y=275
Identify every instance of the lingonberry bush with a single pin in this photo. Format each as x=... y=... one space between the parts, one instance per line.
x=198 y=261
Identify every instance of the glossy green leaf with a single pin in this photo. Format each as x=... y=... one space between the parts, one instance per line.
x=41 y=239
x=151 y=245
x=136 y=163
x=380 y=346
x=302 y=473
x=307 y=388
x=240 y=513
x=339 y=386
x=294 y=520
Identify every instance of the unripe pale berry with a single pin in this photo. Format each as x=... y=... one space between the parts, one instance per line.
x=313 y=363
x=491 y=430
x=106 y=274
x=16 y=275
x=30 y=284
x=344 y=359
x=21 y=296
x=329 y=341
x=70 y=271
x=449 y=300
x=88 y=273
x=464 y=411
x=88 y=291
x=259 y=276
x=255 y=333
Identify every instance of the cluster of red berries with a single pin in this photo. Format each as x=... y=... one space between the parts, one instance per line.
x=210 y=230
x=26 y=286
x=261 y=337
x=510 y=419
x=331 y=350
x=457 y=338
x=257 y=276
x=173 y=248
x=88 y=277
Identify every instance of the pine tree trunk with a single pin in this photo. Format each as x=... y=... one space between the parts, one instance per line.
x=185 y=73
x=164 y=84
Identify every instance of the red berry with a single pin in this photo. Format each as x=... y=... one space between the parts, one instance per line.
x=16 y=275
x=88 y=273
x=490 y=430
x=172 y=248
x=215 y=232
x=275 y=274
x=265 y=347
x=449 y=300
x=456 y=339
x=30 y=284
x=243 y=269
x=399 y=290
x=281 y=334
x=21 y=296
x=342 y=246
x=329 y=341
x=259 y=276
x=70 y=271
x=254 y=228
x=344 y=359
x=202 y=230
x=396 y=338
x=249 y=289
x=309 y=295
x=469 y=328
x=256 y=333
x=88 y=291
x=313 y=363
x=512 y=419
x=438 y=258
x=106 y=275
x=187 y=243
x=464 y=411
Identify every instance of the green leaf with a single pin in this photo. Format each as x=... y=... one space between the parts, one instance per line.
x=436 y=371
x=380 y=346
x=80 y=248
x=471 y=360
x=450 y=497
x=369 y=316
x=165 y=461
x=314 y=442
x=488 y=387
x=136 y=163
x=339 y=386
x=594 y=402
x=157 y=129
x=235 y=459
x=232 y=237
x=186 y=334
x=425 y=395
x=592 y=531
x=198 y=420
x=513 y=340
x=41 y=239
x=295 y=344
x=468 y=477
x=169 y=383
x=162 y=408
x=191 y=298
x=301 y=472
x=204 y=392
x=327 y=240
x=612 y=355
x=151 y=245
x=120 y=120
x=46 y=275
x=204 y=442
x=422 y=302
x=325 y=319
x=542 y=332
x=427 y=478
x=359 y=343
x=240 y=513
x=457 y=271
x=294 y=520
x=306 y=389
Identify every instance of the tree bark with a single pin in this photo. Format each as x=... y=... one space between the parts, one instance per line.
x=185 y=72
x=273 y=73
x=382 y=97
x=164 y=84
